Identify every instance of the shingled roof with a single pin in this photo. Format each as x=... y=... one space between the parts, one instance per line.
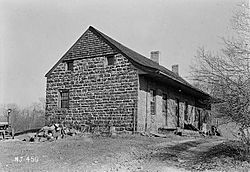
x=139 y=60
x=144 y=61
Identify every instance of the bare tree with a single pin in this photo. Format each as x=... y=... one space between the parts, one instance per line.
x=226 y=75
x=21 y=119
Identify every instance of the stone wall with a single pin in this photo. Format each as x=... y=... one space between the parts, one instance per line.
x=148 y=122
x=98 y=93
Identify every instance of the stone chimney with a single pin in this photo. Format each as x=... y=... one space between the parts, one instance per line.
x=155 y=56
x=175 y=69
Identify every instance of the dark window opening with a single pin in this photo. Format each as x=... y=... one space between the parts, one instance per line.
x=198 y=118
x=70 y=65
x=178 y=112
x=64 y=98
x=152 y=102
x=111 y=60
x=197 y=113
x=164 y=103
x=186 y=111
x=206 y=117
x=165 y=107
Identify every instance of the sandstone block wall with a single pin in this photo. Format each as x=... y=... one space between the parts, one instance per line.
x=98 y=93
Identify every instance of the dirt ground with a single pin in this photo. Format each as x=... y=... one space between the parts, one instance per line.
x=119 y=153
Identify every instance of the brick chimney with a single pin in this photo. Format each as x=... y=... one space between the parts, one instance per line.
x=155 y=56
x=175 y=69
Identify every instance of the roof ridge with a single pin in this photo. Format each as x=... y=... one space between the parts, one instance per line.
x=142 y=56
x=155 y=63
x=134 y=57
x=140 y=59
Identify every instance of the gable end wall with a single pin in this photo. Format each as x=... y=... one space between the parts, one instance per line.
x=99 y=94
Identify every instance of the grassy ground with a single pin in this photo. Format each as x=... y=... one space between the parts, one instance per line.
x=121 y=153
x=211 y=154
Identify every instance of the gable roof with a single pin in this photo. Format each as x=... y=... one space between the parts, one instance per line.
x=138 y=59
x=142 y=60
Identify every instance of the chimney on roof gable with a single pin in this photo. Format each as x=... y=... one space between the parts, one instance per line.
x=155 y=56
x=175 y=69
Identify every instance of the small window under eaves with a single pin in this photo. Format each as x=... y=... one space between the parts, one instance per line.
x=110 y=60
x=69 y=65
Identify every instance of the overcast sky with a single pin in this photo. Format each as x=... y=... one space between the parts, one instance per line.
x=35 y=34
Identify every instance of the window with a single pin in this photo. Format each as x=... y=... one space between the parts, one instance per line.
x=198 y=118
x=186 y=111
x=206 y=116
x=70 y=65
x=111 y=60
x=64 y=99
x=165 y=108
x=152 y=102
x=164 y=103
x=178 y=112
x=197 y=114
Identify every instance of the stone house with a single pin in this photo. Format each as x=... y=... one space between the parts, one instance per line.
x=101 y=82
